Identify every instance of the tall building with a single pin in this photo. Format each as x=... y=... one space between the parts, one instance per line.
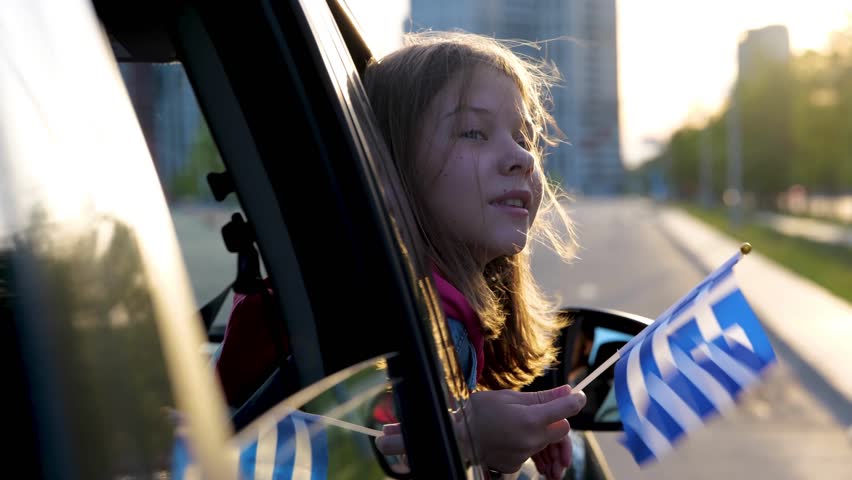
x=579 y=37
x=765 y=113
x=764 y=45
x=168 y=114
x=179 y=120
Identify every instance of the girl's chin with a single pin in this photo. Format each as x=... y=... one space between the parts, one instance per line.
x=507 y=249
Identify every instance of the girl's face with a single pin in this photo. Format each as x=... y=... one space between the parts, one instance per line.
x=479 y=179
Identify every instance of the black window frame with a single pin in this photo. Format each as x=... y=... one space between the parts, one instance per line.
x=333 y=252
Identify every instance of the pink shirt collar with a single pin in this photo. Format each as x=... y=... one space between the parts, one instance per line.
x=456 y=306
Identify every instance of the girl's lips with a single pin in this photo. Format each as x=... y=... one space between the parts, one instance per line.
x=515 y=211
x=522 y=196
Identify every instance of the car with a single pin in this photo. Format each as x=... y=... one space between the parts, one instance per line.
x=108 y=341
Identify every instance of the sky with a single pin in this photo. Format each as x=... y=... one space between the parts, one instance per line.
x=676 y=59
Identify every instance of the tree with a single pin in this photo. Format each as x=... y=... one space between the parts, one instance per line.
x=190 y=182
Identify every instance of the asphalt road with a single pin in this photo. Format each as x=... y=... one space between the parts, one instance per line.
x=779 y=431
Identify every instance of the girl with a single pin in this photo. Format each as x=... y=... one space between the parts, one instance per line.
x=466 y=122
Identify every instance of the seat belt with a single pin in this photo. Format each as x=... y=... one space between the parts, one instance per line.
x=221 y=185
x=209 y=311
x=239 y=238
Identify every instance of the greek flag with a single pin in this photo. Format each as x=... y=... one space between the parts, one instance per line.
x=689 y=365
x=295 y=448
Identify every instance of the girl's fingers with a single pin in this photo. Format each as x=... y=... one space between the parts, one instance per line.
x=555 y=471
x=391 y=429
x=559 y=408
x=566 y=452
x=540 y=464
x=556 y=431
x=390 y=444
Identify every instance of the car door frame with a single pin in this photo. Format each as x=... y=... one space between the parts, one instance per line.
x=335 y=250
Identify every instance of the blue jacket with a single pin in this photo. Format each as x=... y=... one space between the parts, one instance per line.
x=465 y=351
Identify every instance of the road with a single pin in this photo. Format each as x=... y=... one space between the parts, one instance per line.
x=211 y=266
x=779 y=431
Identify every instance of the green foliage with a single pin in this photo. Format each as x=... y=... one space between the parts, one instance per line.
x=796 y=128
x=765 y=123
x=822 y=118
x=683 y=149
x=190 y=182
x=100 y=326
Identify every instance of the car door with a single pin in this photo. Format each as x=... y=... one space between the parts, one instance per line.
x=99 y=330
x=280 y=93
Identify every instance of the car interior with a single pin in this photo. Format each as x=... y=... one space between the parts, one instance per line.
x=305 y=81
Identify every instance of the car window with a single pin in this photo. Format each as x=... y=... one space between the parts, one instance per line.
x=317 y=250
x=343 y=57
x=184 y=155
x=93 y=297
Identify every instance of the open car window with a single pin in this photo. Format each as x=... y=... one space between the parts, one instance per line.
x=335 y=419
x=185 y=156
x=342 y=283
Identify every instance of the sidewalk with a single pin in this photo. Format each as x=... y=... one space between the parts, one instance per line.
x=811 y=229
x=813 y=323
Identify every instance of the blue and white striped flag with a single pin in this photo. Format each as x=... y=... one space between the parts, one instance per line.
x=294 y=448
x=689 y=365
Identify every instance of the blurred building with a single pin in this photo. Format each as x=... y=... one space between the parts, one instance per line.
x=168 y=114
x=765 y=114
x=579 y=37
x=765 y=45
x=179 y=122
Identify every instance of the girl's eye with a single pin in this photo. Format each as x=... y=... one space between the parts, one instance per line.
x=524 y=142
x=473 y=135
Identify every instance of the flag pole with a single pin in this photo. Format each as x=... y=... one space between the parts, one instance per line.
x=745 y=249
x=586 y=381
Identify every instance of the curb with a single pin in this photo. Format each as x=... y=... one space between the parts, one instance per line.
x=802 y=319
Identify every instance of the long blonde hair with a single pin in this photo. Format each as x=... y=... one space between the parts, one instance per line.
x=518 y=322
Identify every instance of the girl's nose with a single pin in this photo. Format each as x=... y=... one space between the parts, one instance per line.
x=518 y=161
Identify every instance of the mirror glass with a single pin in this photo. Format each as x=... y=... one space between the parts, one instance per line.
x=592 y=337
x=593 y=346
x=381 y=412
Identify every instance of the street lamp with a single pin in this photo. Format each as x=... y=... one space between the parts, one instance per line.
x=733 y=197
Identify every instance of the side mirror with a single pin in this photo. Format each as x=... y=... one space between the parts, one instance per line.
x=593 y=335
x=381 y=412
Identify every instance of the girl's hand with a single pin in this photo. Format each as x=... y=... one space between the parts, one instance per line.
x=554 y=459
x=390 y=443
x=508 y=427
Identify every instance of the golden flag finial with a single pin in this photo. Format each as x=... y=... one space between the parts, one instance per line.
x=745 y=248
